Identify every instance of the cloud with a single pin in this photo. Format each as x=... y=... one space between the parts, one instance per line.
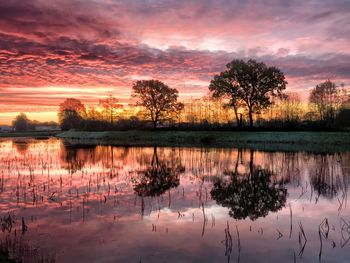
x=86 y=49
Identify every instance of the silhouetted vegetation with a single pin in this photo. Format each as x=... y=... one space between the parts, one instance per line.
x=250 y=85
x=22 y=123
x=158 y=177
x=247 y=95
x=252 y=194
x=71 y=114
x=159 y=100
x=110 y=105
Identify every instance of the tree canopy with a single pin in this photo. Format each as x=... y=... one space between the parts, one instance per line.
x=249 y=84
x=21 y=122
x=159 y=100
x=70 y=114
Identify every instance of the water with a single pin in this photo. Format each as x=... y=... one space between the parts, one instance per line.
x=61 y=203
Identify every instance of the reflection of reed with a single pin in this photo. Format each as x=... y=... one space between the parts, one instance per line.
x=84 y=183
x=19 y=249
x=326 y=171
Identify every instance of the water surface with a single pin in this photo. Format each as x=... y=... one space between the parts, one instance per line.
x=64 y=203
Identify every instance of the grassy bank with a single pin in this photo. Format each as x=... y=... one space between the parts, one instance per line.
x=30 y=134
x=309 y=141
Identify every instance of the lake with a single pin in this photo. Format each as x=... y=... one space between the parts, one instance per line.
x=79 y=203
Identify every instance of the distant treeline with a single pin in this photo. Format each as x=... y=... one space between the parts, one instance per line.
x=247 y=95
x=23 y=123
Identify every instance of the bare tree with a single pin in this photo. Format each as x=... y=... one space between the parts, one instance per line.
x=325 y=98
x=110 y=106
x=291 y=107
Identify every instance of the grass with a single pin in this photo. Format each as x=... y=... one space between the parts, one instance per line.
x=31 y=134
x=308 y=141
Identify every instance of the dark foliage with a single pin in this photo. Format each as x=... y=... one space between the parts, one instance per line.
x=252 y=195
x=21 y=122
x=158 y=177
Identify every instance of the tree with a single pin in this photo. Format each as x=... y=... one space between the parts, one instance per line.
x=290 y=109
x=110 y=105
x=325 y=97
x=251 y=83
x=159 y=100
x=71 y=113
x=222 y=86
x=21 y=122
x=93 y=114
x=343 y=118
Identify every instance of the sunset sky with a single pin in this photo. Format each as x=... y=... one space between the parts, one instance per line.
x=86 y=49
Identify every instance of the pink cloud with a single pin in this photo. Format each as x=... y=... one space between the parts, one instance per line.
x=49 y=50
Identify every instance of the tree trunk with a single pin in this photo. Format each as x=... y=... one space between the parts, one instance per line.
x=251 y=124
x=155 y=124
x=251 y=163
x=236 y=114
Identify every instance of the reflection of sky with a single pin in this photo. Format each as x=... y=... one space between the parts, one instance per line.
x=85 y=208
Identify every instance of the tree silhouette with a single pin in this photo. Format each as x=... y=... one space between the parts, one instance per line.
x=250 y=195
x=158 y=177
x=343 y=118
x=71 y=113
x=159 y=100
x=21 y=122
x=325 y=97
x=110 y=105
x=251 y=83
x=222 y=87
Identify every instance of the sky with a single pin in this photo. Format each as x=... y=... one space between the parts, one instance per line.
x=86 y=49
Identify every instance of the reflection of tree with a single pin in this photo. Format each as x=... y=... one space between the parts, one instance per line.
x=21 y=146
x=73 y=158
x=250 y=195
x=158 y=177
x=324 y=179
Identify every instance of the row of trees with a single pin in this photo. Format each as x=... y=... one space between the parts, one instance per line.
x=245 y=91
x=23 y=123
x=156 y=102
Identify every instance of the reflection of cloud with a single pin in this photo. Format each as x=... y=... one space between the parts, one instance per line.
x=98 y=46
x=112 y=211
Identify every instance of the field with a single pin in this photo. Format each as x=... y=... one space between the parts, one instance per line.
x=308 y=141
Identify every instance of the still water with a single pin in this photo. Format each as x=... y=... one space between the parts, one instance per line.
x=64 y=203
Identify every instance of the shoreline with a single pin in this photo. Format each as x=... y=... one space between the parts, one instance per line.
x=267 y=141
x=274 y=141
x=30 y=134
